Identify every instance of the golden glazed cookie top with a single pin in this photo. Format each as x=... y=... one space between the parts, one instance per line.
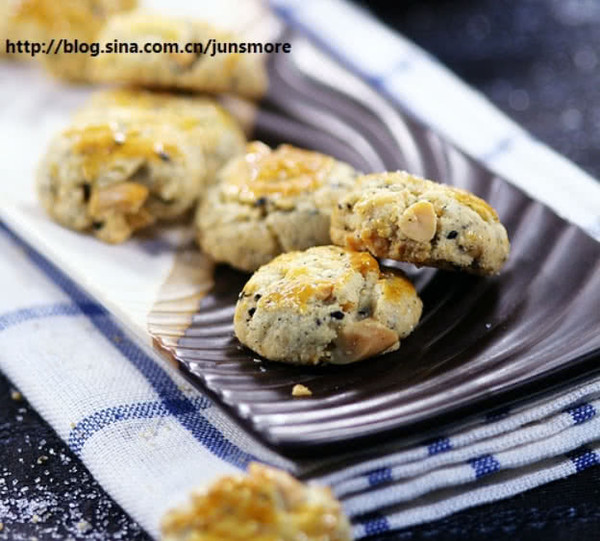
x=283 y=173
x=99 y=145
x=321 y=274
x=153 y=126
x=203 y=116
x=265 y=505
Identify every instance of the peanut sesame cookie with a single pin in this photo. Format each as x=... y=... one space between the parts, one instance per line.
x=403 y=217
x=326 y=304
x=268 y=202
x=131 y=158
x=238 y=73
x=52 y=21
x=207 y=123
x=265 y=505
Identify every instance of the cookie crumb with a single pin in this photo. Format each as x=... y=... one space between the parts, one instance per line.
x=301 y=390
x=16 y=395
x=1 y=526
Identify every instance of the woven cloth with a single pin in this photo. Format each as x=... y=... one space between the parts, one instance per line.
x=149 y=438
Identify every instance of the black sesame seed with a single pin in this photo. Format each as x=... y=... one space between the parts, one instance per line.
x=87 y=192
x=318 y=322
x=251 y=311
x=362 y=313
x=97 y=225
x=165 y=201
x=348 y=206
x=257 y=297
x=337 y=315
x=260 y=202
x=164 y=156
x=452 y=235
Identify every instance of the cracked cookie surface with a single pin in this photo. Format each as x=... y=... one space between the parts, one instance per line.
x=406 y=218
x=270 y=201
x=325 y=305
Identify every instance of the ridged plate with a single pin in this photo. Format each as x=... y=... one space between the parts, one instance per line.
x=482 y=341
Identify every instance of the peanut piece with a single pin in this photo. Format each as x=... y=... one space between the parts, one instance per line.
x=418 y=222
x=362 y=339
x=127 y=197
x=301 y=390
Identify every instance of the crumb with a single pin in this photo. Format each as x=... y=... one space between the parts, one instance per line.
x=1 y=526
x=42 y=459
x=35 y=519
x=301 y=390
x=16 y=395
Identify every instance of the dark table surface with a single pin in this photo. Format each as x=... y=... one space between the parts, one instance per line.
x=539 y=61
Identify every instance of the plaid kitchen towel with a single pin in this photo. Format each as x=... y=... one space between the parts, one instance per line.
x=149 y=438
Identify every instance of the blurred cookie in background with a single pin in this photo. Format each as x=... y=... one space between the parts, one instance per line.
x=266 y=504
x=196 y=70
x=53 y=24
x=130 y=158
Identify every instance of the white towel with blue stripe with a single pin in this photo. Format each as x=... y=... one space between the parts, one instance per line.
x=149 y=438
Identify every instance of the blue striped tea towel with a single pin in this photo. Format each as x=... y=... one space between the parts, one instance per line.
x=149 y=438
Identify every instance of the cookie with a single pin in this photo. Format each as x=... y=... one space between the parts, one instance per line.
x=406 y=218
x=208 y=124
x=49 y=22
x=239 y=73
x=131 y=158
x=325 y=305
x=268 y=202
x=266 y=504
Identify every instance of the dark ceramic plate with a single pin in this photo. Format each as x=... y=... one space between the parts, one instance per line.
x=482 y=342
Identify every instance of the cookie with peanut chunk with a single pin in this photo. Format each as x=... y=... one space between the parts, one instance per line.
x=267 y=202
x=325 y=305
x=265 y=505
x=130 y=158
x=406 y=218
x=205 y=121
x=192 y=70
